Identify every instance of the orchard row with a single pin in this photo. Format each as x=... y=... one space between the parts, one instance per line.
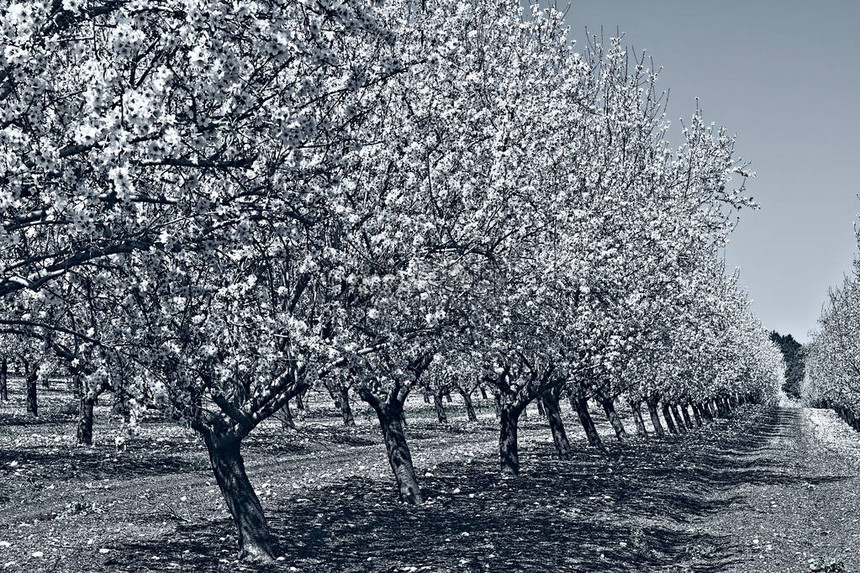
x=210 y=207
x=832 y=368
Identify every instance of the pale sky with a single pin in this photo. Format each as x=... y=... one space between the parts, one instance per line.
x=784 y=76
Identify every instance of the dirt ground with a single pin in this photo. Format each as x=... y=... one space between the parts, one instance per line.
x=768 y=490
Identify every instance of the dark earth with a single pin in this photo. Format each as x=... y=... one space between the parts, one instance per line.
x=771 y=489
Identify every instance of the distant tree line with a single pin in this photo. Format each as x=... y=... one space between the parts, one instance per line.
x=793 y=353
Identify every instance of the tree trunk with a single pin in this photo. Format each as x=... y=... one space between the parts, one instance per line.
x=73 y=386
x=655 y=418
x=483 y=392
x=497 y=405
x=509 y=457
x=670 y=424
x=285 y=415
x=636 y=408
x=541 y=410
x=470 y=408
x=345 y=409
x=426 y=395
x=448 y=398
x=390 y=414
x=609 y=407
x=333 y=395
x=706 y=411
x=685 y=412
x=439 y=407
x=122 y=405
x=85 y=422
x=696 y=414
x=524 y=415
x=300 y=403
x=32 y=376
x=256 y=542
x=4 y=380
x=679 y=421
x=581 y=406
x=556 y=424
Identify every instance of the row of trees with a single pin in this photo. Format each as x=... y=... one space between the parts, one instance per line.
x=209 y=207
x=832 y=364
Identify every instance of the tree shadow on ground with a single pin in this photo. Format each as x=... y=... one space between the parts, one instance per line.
x=276 y=440
x=634 y=509
x=482 y=524
x=357 y=527
x=92 y=464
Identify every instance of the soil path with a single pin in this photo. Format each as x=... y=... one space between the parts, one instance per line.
x=793 y=499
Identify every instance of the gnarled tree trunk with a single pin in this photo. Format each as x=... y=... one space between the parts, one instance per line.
x=77 y=386
x=655 y=418
x=679 y=422
x=4 y=379
x=85 y=421
x=345 y=409
x=636 y=408
x=696 y=414
x=256 y=542
x=614 y=420
x=668 y=417
x=509 y=457
x=580 y=404
x=439 y=407
x=556 y=424
x=32 y=374
x=686 y=414
x=122 y=404
x=390 y=415
x=285 y=415
x=470 y=407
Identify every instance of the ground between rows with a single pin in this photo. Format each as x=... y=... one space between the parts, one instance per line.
x=681 y=504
